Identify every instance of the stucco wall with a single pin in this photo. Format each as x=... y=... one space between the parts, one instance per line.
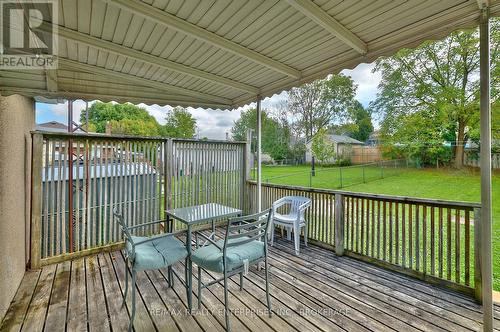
x=17 y=119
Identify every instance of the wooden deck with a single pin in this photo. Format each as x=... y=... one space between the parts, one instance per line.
x=314 y=292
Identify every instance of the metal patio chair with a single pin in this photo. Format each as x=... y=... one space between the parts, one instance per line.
x=148 y=253
x=244 y=244
x=292 y=219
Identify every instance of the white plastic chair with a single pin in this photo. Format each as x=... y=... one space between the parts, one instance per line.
x=293 y=219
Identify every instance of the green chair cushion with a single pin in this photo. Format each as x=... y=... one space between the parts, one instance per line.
x=210 y=257
x=156 y=254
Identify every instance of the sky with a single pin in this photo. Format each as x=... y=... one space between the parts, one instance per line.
x=214 y=124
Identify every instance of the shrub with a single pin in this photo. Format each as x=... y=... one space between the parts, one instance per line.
x=343 y=161
x=422 y=154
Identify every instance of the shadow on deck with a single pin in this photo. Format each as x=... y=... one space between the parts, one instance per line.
x=317 y=291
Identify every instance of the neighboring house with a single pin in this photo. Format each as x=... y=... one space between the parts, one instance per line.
x=342 y=144
x=374 y=139
x=59 y=127
x=52 y=126
x=60 y=148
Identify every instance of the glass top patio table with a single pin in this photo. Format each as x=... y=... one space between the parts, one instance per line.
x=193 y=215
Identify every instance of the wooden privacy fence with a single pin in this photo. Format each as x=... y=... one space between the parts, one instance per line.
x=365 y=154
x=77 y=180
x=434 y=240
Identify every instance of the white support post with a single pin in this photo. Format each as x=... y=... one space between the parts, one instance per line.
x=259 y=152
x=484 y=30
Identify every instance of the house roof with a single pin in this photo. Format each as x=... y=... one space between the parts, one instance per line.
x=220 y=54
x=52 y=126
x=343 y=139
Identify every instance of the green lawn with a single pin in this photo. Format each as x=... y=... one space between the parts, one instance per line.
x=447 y=184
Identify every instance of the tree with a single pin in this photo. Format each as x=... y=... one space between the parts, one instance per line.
x=275 y=136
x=437 y=81
x=359 y=124
x=135 y=127
x=125 y=119
x=317 y=104
x=297 y=151
x=321 y=147
x=421 y=138
x=362 y=118
x=296 y=144
x=180 y=124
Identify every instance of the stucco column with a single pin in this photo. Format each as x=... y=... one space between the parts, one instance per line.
x=17 y=119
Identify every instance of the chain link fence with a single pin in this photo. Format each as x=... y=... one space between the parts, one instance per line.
x=341 y=177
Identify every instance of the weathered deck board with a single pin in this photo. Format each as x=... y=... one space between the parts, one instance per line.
x=371 y=312
x=316 y=291
x=96 y=299
x=142 y=320
x=56 y=315
x=152 y=302
x=14 y=318
x=118 y=316
x=416 y=293
x=37 y=311
x=406 y=291
x=390 y=309
x=77 y=302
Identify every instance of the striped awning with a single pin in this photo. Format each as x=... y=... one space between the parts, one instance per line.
x=223 y=53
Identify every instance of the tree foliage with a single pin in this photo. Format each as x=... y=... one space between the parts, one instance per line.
x=180 y=124
x=430 y=95
x=129 y=119
x=135 y=127
x=321 y=147
x=126 y=119
x=275 y=135
x=362 y=120
x=357 y=123
x=317 y=104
